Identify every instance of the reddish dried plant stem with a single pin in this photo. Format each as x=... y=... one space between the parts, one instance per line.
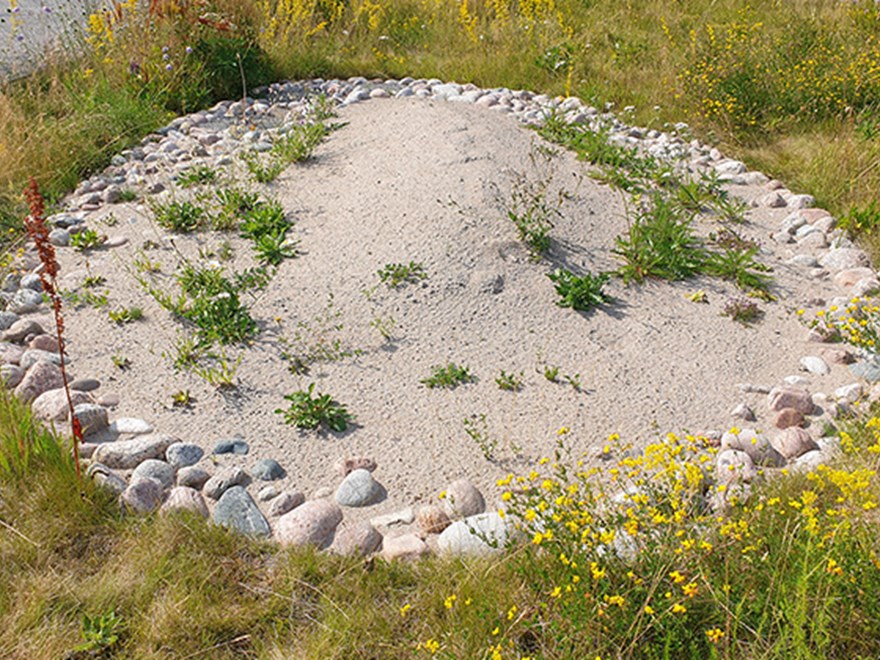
x=36 y=227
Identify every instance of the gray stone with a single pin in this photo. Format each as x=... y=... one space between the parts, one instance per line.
x=809 y=461
x=756 y=445
x=868 y=369
x=10 y=353
x=92 y=417
x=31 y=356
x=849 y=393
x=108 y=400
x=154 y=469
x=52 y=405
x=838 y=259
x=182 y=454
x=41 y=377
x=192 y=476
x=313 y=523
x=106 y=478
x=268 y=469
x=85 y=384
x=142 y=496
x=21 y=329
x=59 y=237
x=285 y=502
x=361 y=540
x=31 y=281
x=7 y=319
x=733 y=465
x=11 y=375
x=238 y=511
x=231 y=446
x=128 y=454
x=482 y=534
x=743 y=412
x=224 y=480
x=182 y=498
x=406 y=546
x=25 y=301
x=267 y=493
x=359 y=489
x=463 y=500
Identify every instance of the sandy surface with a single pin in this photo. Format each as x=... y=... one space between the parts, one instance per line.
x=413 y=180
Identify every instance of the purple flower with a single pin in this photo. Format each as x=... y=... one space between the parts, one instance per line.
x=165 y=57
x=168 y=67
x=188 y=50
x=134 y=68
x=46 y=10
x=164 y=49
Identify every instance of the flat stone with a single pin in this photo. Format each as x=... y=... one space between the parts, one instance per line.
x=10 y=353
x=836 y=355
x=847 y=278
x=41 y=377
x=849 y=393
x=358 y=489
x=485 y=533
x=345 y=466
x=361 y=539
x=192 y=476
x=312 y=523
x=231 y=446
x=268 y=469
x=52 y=405
x=154 y=469
x=238 y=511
x=743 y=412
x=794 y=442
x=285 y=502
x=267 y=493
x=403 y=517
x=407 y=546
x=92 y=417
x=755 y=445
x=733 y=465
x=31 y=356
x=84 y=384
x=182 y=498
x=815 y=365
x=463 y=500
x=128 y=454
x=182 y=454
x=46 y=343
x=130 y=425
x=142 y=496
x=225 y=479
x=809 y=461
x=867 y=369
x=772 y=200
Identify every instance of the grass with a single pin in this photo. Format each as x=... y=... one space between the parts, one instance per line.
x=769 y=578
x=399 y=274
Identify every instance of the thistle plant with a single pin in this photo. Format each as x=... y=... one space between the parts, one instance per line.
x=35 y=224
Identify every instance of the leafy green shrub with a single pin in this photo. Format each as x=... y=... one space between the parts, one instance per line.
x=181 y=217
x=448 y=377
x=579 y=293
x=309 y=412
x=660 y=243
x=861 y=220
x=196 y=176
x=740 y=267
x=86 y=240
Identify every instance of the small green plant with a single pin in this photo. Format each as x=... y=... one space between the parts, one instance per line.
x=449 y=376
x=579 y=293
x=196 y=176
x=109 y=220
x=100 y=633
x=551 y=373
x=126 y=315
x=225 y=252
x=272 y=249
x=861 y=220
x=295 y=147
x=740 y=267
x=181 y=399
x=234 y=205
x=127 y=195
x=477 y=430
x=87 y=297
x=92 y=281
x=318 y=340
x=310 y=412
x=742 y=310
x=385 y=326
x=181 y=217
x=396 y=275
x=120 y=361
x=86 y=239
x=510 y=382
x=574 y=380
x=221 y=372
